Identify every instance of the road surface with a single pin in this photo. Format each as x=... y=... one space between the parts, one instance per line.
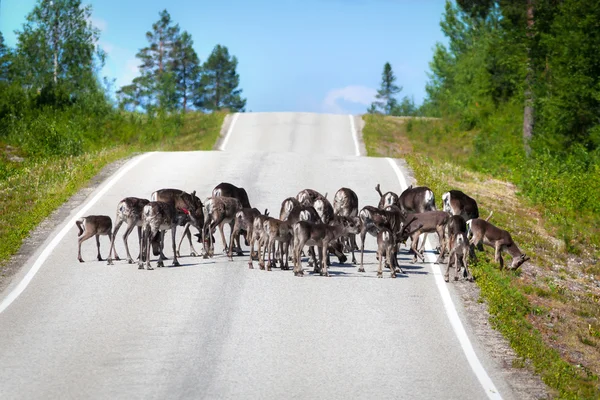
x=216 y=329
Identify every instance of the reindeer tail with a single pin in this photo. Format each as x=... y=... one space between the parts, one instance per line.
x=80 y=224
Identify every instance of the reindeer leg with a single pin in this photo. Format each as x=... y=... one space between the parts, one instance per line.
x=380 y=256
x=222 y=231
x=99 y=257
x=498 y=255
x=125 y=238
x=173 y=232
x=151 y=234
x=324 y=253
x=161 y=257
x=112 y=245
x=363 y=236
x=82 y=239
x=465 y=261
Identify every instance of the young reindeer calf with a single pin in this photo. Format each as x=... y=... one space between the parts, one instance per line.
x=499 y=239
x=93 y=225
x=320 y=235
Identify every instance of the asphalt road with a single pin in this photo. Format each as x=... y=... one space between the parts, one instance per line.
x=216 y=329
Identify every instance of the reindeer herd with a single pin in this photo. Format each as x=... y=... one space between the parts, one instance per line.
x=310 y=220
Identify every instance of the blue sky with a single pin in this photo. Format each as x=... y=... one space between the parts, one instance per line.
x=294 y=55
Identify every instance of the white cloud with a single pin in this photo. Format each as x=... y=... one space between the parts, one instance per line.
x=352 y=94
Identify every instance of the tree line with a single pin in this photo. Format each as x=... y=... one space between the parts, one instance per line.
x=539 y=57
x=172 y=77
x=57 y=61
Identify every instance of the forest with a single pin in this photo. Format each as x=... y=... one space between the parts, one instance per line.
x=53 y=101
x=518 y=91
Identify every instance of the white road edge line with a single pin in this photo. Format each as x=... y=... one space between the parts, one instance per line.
x=484 y=379
x=12 y=296
x=228 y=134
x=354 y=135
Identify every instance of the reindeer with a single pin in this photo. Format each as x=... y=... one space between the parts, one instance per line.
x=430 y=221
x=417 y=200
x=458 y=245
x=244 y=223
x=373 y=218
x=459 y=252
x=188 y=210
x=258 y=235
x=287 y=206
x=93 y=225
x=499 y=239
x=219 y=210
x=458 y=203
x=129 y=210
x=277 y=231
x=386 y=199
x=307 y=197
x=345 y=203
x=226 y=189
x=158 y=217
x=320 y=235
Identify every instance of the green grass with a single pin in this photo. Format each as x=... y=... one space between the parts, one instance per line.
x=522 y=304
x=47 y=182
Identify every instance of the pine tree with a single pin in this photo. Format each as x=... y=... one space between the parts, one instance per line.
x=218 y=86
x=58 y=47
x=385 y=95
x=156 y=87
x=5 y=61
x=186 y=67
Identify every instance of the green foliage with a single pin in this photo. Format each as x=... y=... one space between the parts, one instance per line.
x=58 y=45
x=186 y=68
x=156 y=87
x=386 y=102
x=569 y=86
x=5 y=60
x=219 y=83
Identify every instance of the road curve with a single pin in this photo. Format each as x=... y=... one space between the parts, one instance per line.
x=216 y=329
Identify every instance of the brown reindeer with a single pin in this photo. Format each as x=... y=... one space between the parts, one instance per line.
x=373 y=218
x=430 y=221
x=188 y=211
x=93 y=225
x=386 y=199
x=244 y=224
x=129 y=210
x=499 y=239
x=158 y=217
x=345 y=203
x=320 y=235
x=226 y=189
x=219 y=210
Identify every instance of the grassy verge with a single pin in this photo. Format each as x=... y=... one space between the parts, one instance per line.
x=549 y=309
x=46 y=183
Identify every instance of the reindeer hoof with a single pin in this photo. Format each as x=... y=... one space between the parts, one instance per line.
x=130 y=260
x=109 y=262
x=141 y=266
x=447 y=279
x=250 y=266
x=80 y=260
x=361 y=270
x=160 y=264
x=393 y=275
x=175 y=264
x=379 y=275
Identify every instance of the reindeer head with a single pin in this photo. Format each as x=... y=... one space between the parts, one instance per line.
x=518 y=261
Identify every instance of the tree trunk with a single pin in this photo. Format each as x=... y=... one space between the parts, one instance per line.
x=55 y=44
x=528 y=118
